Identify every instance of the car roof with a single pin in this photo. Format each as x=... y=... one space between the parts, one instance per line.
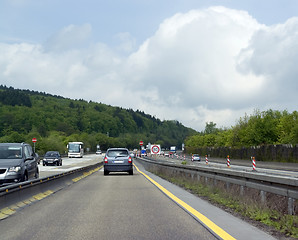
x=13 y=144
x=117 y=149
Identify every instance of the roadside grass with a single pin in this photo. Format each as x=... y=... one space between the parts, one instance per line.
x=247 y=207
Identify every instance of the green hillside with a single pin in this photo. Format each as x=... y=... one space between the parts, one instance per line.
x=55 y=120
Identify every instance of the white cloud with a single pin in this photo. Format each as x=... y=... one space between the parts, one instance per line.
x=205 y=65
x=69 y=37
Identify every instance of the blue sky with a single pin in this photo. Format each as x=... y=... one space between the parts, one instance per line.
x=192 y=61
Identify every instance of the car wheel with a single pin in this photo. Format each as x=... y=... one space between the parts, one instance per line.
x=61 y=163
x=130 y=172
x=57 y=164
x=36 y=174
x=25 y=177
x=105 y=172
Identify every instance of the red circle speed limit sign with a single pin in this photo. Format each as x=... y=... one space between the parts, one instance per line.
x=155 y=149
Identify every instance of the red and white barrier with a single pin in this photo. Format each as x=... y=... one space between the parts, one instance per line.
x=206 y=158
x=253 y=164
x=228 y=162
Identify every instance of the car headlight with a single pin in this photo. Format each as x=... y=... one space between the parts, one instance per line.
x=14 y=169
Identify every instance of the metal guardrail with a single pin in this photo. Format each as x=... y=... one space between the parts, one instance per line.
x=279 y=185
x=12 y=194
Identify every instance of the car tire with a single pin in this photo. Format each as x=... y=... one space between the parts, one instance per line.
x=105 y=172
x=25 y=177
x=130 y=172
x=36 y=174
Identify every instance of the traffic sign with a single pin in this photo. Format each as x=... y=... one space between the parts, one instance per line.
x=141 y=143
x=34 y=140
x=155 y=149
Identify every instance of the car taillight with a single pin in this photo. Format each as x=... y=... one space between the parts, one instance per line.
x=106 y=160
x=129 y=160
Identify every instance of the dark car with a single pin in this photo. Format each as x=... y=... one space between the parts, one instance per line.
x=117 y=160
x=17 y=163
x=52 y=158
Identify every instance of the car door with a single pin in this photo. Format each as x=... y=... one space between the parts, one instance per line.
x=30 y=161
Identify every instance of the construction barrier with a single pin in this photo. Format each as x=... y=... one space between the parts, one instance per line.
x=206 y=158
x=228 y=162
x=253 y=164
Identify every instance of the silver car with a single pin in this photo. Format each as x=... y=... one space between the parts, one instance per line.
x=195 y=157
x=117 y=160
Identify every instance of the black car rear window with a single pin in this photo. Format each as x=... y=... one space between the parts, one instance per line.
x=117 y=153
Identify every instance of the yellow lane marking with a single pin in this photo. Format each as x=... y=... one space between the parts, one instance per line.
x=86 y=174
x=6 y=212
x=211 y=225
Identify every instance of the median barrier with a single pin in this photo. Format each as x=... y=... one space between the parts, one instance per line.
x=26 y=192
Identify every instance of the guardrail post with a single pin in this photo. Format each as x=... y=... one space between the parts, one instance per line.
x=291 y=206
x=263 y=196
x=214 y=182
x=241 y=190
x=206 y=180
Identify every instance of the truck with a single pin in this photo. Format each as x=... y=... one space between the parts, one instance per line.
x=173 y=149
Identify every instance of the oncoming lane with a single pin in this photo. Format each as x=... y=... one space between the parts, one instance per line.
x=68 y=164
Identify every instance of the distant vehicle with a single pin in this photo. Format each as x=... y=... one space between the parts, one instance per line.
x=117 y=160
x=75 y=149
x=195 y=157
x=132 y=154
x=143 y=153
x=98 y=152
x=173 y=149
x=17 y=163
x=52 y=158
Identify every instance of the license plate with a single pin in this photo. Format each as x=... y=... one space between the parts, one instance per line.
x=117 y=161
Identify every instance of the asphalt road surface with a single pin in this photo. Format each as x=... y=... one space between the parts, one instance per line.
x=117 y=206
x=121 y=206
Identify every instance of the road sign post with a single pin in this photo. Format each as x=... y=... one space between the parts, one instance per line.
x=34 y=141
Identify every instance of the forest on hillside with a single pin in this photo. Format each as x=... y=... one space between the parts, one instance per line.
x=261 y=128
x=269 y=136
x=55 y=120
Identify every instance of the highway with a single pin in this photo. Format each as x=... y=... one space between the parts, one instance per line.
x=120 y=206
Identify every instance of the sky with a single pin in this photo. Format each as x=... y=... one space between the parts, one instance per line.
x=194 y=61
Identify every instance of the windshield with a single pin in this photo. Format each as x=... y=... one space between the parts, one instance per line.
x=10 y=152
x=117 y=153
x=74 y=147
x=51 y=154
